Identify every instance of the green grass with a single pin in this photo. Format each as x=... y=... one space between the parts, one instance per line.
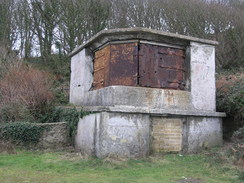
x=37 y=167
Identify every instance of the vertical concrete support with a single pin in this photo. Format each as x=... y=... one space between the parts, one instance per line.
x=202 y=77
x=85 y=139
x=202 y=132
x=81 y=76
x=114 y=135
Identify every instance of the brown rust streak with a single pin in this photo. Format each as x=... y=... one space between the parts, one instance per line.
x=101 y=62
x=161 y=67
x=124 y=64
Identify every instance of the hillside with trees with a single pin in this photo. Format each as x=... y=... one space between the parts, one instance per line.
x=37 y=35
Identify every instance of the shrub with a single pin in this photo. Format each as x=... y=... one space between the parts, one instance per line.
x=25 y=88
x=56 y=64
x=59 y=66
x=21 y=132
x=238 y=136
x=230 y=96
x=61 y=95
x=15 y=112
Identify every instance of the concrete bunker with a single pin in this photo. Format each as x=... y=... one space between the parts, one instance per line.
x=152 y=91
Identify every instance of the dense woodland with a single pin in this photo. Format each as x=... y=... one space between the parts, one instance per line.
x=44 y=32
x=40 y=27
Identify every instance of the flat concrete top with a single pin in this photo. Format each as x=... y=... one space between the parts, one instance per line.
x=138 y=33
x=152 y=112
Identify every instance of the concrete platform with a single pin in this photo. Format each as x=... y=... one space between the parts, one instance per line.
x=133 y=135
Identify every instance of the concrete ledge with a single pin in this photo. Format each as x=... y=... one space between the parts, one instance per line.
x=153 y=98
x=152 y=112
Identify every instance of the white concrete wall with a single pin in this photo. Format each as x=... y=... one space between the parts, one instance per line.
x=202 y=76
x=203 y=133
x=125 y=135
x=85 y=138
x=81 y=76
x=114 y=135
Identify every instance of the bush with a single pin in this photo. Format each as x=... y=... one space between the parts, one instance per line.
x=59 y=66
x=24 y=89
x=21 y=132
x=230 y=96
x=15 y=112
x=238 y=136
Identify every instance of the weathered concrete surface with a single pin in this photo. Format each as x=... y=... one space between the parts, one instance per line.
x=124 y=135
x=55 y=136
x=81 y=76
x=137 y=96
x=114 y=135
x=85 y=139
x=152 y=112
x=202 y=76
x=202 y=132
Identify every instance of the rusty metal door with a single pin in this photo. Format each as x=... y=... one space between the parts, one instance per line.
x=101 y=66
x=146 y=65
x=161 y=67
x=124 y=64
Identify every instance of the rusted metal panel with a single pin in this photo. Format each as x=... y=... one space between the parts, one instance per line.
x=161 y=67
x=101 y=67
x=131 y=64
x=124 y=64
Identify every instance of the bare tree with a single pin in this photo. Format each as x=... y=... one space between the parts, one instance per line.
x=45 y=15
x=72 y=24
x=8 y=33
x=25 y=28
x=97 y=15
x=68 y=23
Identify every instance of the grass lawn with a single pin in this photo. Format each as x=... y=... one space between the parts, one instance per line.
x=40 y=167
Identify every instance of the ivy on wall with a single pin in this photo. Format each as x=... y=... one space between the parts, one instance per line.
x=25 y=133
x=21 y=132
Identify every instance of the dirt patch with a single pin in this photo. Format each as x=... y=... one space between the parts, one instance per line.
x=189 y=180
